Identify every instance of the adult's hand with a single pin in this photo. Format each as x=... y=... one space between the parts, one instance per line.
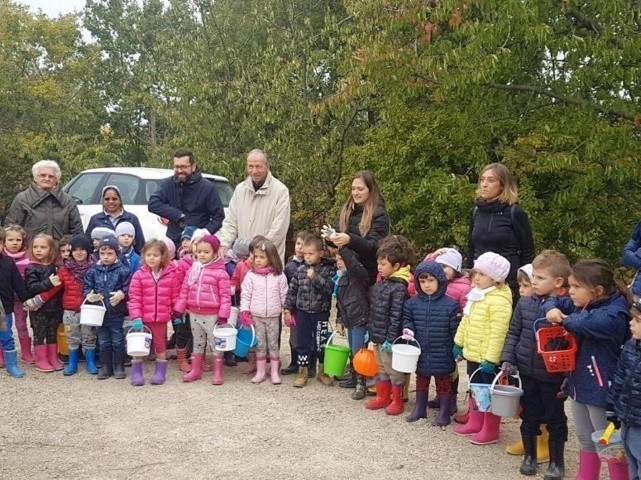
x=340 y=239
x=222 y=251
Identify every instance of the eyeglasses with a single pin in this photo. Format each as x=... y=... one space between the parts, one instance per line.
x=182 y=167
x=46 y=175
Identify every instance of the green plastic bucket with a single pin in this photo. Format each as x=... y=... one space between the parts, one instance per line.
x=335 y=358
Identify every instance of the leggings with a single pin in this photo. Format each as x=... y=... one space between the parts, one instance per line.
x=182 y=330
x=45 y=326
x=443 y=384
x=587 y=419
x=158 y=336
x=20 y=319
x=267 y=332
x=202 y=329
x=77 y=334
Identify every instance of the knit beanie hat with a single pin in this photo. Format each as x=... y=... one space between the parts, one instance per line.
x=81 y=241
x=213 y=241
x=125 y=228
x=241 y=247
x=188 y=232
x=171 y=246
x=451 y=258
x=493 y=265
x=110 y=242
x=101 y=232
x=199 y=233
x=527 y=269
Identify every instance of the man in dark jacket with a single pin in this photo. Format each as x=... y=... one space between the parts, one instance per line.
x=187 y=198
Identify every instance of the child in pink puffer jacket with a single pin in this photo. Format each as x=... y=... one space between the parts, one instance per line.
x=205 y=293
x=262 y=296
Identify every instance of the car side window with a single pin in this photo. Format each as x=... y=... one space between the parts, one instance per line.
x=150 y=188
x=128 y=186
x=83 y=190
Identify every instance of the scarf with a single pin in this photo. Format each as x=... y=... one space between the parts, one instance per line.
x=21 y=255
x=476 y=295
x=403 y=273
x=78 y=270
x=196 y=270
x=264 y=270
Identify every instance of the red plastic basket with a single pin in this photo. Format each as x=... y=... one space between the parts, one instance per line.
x=557 y=361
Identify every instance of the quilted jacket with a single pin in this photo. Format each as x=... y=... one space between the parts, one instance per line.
x=263 y=295
x=105 y=279
x=386 y=307
x=315 y=295
x=352 y=299
x=36 y=278
x=625 y=393
x=208 y=294
x=152 y=299
x=72 y=296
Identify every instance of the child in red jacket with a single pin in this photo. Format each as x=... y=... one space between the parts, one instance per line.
x=152 y=293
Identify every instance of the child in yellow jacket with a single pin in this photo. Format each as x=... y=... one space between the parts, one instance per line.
x=480 y=337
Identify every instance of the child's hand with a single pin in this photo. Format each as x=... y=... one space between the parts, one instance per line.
x=55 y=280
x=137 y=324
x=487 y=367
x=386 y=347
x=440 y=251
x=310 y=273
x=555 y=316
x=246 y=319
x=115 y=298
x=94 y=297
x=457 y=351
x=407 y=334
x=290 y=320
x=340 y=329
x=508 y=368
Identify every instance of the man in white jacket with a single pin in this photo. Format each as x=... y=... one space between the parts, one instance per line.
x=259 y=206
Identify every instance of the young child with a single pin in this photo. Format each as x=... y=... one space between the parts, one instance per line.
x=524 y=279
x=107 y=281
x=11 y=285
x=597 y=314
x=237 y=253
x=126 y=236
x=41 y=275
x=394 y=256
x=185 y=241
x=261 y=303
x=15 y=247
x=432 y=317
x=205 y=293
x=625 y=392
x=480 y=337
x=97 y=234
x=65 y=247
x=310 y=296
x=540 y=403
x=152 y=293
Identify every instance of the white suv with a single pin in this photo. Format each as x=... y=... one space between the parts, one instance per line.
x=136 y=185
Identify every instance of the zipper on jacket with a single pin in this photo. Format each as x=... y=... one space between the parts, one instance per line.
x=266 y=296
x=489 y=227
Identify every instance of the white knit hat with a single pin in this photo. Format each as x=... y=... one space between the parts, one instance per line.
x=493 y=265
x=528 y=270
x=125 y=228
x=199 y=234
x=451 y=258
x=101 y=232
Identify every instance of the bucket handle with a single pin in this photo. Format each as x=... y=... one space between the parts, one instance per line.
x=251 y=343
x=411 y=340
x=329 y=340
x=101 y=301
x=496 y=379
x=474 y=373
x=535 y=325
x=131 y=330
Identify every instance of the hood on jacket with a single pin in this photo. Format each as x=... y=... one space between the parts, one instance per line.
x=195 y=177
x=403 y=273
x=436 y=271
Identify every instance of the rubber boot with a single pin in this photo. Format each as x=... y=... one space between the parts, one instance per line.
x=542 y=451
x=90 y=361
x=529 y=463
x=72 y=365
x=251 y=363
x=261 y=364
x=2 y=362
x=25 y=350
x=465 y=417
x=322 y=377
x=397 y=406
x=444 y=413
x=119 y=365
x=301 y=379
x=196 y=372
x=293 y=366
x=556 y=467
x=589 y=466
x=183 y=364
x=217 y=377
x=42 y=359
x=11 y=362
x=349 y=382
x=275 y=373
x=382 y=399
x=161 y=372
x=107 y=367
x=435 y=402
x=137 y=378
x=360 y=390
x=490 y=431
x=474 y=423
x=230 y=359
x=453 y=404
x=618 y=471
x=420 y=408
x=52 y=356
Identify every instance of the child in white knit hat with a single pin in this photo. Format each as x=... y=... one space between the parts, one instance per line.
x=524 y=279
x=126 y=235
x=480 y=338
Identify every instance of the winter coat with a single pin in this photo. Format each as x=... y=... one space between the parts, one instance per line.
x=291 y=267
x=152 y=299
x=11 y=284
x=251 y=212
x=632 y=258
x=315 y=295
x=36 y=279
x=601 y=329
x=386 y=307
x=183 y=267
x=482 y=332
x=197 y=199
x=263 y=295
x=107 y=279
x=103 y=220
x=133 y=260
x=242 y=268
x=434 y=320
x=503 y=229
x=625 y=393
x=352 y=299
x=21 y=260
x=520 y=347
x=72 y=296
x=209 y=294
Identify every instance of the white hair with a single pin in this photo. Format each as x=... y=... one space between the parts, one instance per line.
x=258 y=151
x=46 y=164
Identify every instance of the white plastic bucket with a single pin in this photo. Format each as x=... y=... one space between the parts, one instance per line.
x=92 y=315
x=505 y=399
x=233 y=316
x=225 y=338
x=139 y=343
x=405 y=357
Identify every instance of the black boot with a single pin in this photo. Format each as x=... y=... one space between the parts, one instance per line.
x=230 y=359
x=348 y=376
x=529 y=464
x=359 y=391
x=119 y=365
x=107 y=367
x=556 y=467
x=349 y=382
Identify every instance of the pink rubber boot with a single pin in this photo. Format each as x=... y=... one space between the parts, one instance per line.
x=619 y=471
x=261 y=364
x=589 y=466
x=490 y=432
x=474 y=422
x=217 y=378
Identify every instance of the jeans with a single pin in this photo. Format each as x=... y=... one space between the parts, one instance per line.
x=6 y=336
x=111 y=335
x=356 y=338
x=632 y=442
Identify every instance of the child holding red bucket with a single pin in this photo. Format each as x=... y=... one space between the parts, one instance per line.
x=262 y=296
x=480 y=337
x=597 y=314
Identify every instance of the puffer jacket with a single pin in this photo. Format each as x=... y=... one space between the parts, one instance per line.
x=457 y=288
x=39 y=211
x=292 y=266
x=520 y=347
x=72 y=297
x=352 y=299
x=632 y=258
x=263 y=295
x=106 y=279
x=240 y=272
x=482 y=332
x=36 y=278
x=183 y=267
x=315 y=295
x=152 y=299
x=434 y=320
x=386 y=300
x=209 y=294
x=625 y=393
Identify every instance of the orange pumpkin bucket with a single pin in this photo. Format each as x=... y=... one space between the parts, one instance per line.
x=365 y=362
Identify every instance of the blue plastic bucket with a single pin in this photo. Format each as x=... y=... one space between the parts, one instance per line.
x=245 y=340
